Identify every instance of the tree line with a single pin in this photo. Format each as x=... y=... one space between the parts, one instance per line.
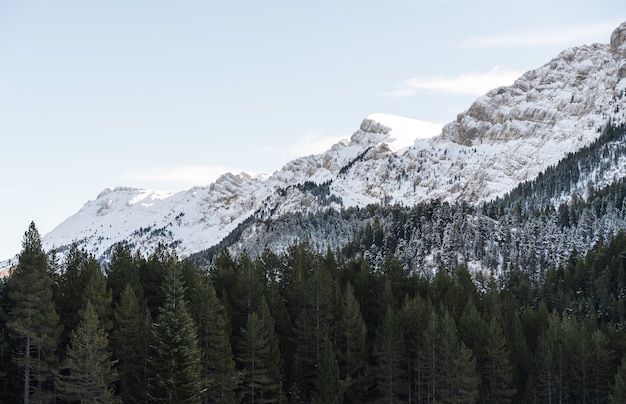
x=305 y=327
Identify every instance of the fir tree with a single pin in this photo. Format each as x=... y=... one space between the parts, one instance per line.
x=329 y=387
x=69 y=292
x=122 y=270
x=449 y=370
x=389 y=353
x=260 y=359
x=129 y=343
x=97 y=292
x=617 y=394
x=33 y=321
x=551 y=363
x=496 y=371
x=351 y=339
x=175 y=357
x=87 y=373
x=220 y=379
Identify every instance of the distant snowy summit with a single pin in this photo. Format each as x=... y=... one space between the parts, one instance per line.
x=509 y=135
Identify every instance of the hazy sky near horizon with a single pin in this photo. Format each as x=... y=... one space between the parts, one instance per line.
x=167 y=95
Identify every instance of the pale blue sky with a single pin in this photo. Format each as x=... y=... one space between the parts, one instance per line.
x=168 y=94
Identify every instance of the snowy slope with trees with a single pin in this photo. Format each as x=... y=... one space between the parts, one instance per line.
x=506 y=137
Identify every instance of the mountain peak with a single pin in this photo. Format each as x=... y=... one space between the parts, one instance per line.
x=508 y=136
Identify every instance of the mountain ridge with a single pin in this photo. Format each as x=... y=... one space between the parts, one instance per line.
x=508 y=136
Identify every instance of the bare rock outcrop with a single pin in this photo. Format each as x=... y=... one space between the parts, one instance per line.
x=618 y=49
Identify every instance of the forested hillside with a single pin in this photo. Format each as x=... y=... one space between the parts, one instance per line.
x=305 y=327
x=540 y=224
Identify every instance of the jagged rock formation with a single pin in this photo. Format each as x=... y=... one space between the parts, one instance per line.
x=508 y=136
x=618 y=49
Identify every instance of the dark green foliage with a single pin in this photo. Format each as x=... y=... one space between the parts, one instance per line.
x=329 y=387
x=33 y=322
x=220 y=380
x=174 y=358
x=448 y=366
x=618 y=389
x=122 y=270
x=351 y=345
x=129 y=343
x=552 y=370
x=260 y=359
x=496 y=373
x=87 y=373
x=152 y=273
x=391 y=368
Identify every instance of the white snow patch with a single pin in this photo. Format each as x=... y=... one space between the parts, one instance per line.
x=405 y=131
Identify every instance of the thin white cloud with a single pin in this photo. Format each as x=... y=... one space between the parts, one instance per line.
x=10 y=190
x=472 y=83
x=178 y=177
x=582 y=33
x=311 y=143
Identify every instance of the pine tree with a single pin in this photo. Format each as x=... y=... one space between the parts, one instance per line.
x=220 y=379
x=122 y=270
x=551 y=362
x=129 y=343
x=33 y=321
x=351 y=339
x=152 y=273
x=329 y=387
x=260 y=359
x=448 y=367
x=69 y=292
x=414 y=319
x=390 y=357
x=175 y=357
x=97 y=292
x=617 y=394
x=87 y=373
x=496 y=372
x=457 y=379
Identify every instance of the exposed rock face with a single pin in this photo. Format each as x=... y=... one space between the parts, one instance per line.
x=575 y=87
x=618 y=38
x=371 y=126
x=507 y=136
x=618 y=49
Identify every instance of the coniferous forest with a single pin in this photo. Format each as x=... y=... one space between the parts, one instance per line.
x=304 y=327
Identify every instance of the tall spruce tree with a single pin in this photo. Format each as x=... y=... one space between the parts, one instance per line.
x=390 y=358
x=123 y=269
x=448 y=366
x=69 y=292
x=87 y=373
x=33 y=321
x=260 y=359
x=351 y=350
x=129 y=343
x=175 y=357
x=552 y=369
x=220 y=379
x=97 y=292
x=617 y=393
x=496 y=373
x=329 y=387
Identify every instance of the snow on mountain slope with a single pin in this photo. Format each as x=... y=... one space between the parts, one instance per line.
x=507 y=136
x=198 y=218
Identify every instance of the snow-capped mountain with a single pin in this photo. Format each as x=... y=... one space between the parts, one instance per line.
x=508 y=136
